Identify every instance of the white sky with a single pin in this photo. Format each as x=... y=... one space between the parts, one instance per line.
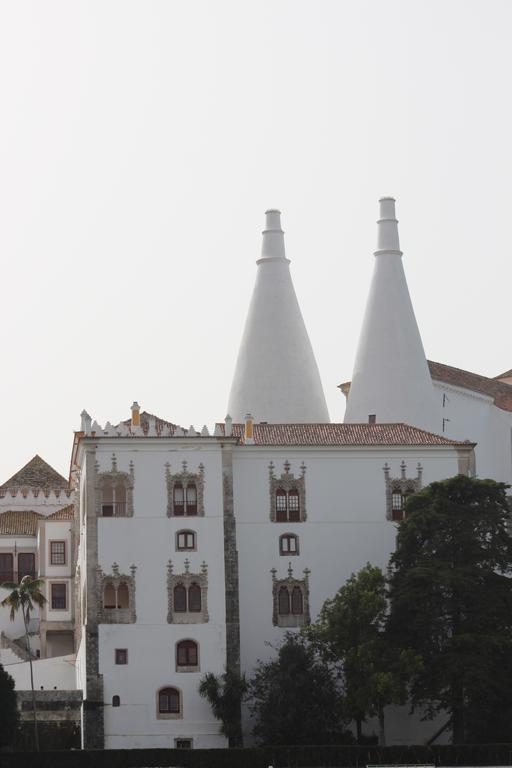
x=141 y=142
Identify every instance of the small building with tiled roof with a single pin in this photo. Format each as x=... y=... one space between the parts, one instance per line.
x=36 y=473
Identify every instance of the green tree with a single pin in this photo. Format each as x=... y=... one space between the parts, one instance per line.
x=451 y=600
x=8 y=709
x=294 y=698
x=22 y=598
x=225 y=695
x=351 y=634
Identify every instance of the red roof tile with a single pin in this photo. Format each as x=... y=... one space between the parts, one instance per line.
x=500 y=391
x=36 y=474
x=19 y=523
x=66 y=513
x=341 y=435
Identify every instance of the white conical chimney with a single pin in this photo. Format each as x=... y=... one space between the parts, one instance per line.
x=276 y=376
x=391 y=379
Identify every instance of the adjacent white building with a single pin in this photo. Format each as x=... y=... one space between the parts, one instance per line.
x=187 y=552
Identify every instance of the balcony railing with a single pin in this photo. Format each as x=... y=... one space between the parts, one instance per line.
x=113 y=509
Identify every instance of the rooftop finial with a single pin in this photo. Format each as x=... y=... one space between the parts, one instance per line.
x=272 y=246
x=387 y=228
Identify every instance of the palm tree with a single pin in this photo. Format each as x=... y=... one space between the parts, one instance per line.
x=22 y=598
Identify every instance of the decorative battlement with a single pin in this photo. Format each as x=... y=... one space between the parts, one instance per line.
x=140 y=425
x=50 y=499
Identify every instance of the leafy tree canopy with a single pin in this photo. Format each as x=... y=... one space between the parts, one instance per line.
x=225 y=695
x=295 y=699
x=8 y=709
x=451 y=602
x=350 y=633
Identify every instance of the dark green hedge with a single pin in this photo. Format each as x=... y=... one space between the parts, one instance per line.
x=278 y=757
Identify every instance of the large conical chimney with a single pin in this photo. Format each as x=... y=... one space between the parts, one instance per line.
x=276 y=377
x=391 y=381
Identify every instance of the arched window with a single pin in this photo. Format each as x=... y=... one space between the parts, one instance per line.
x=109 y=596
x=281 y=507
x=169 y=701
x=113 y=496
x=178 y=500
x=186 y=654
x=297 y=601
x=194 y=598
x=191 y=499
x=289 y=544
x=397 y=504
x=180 y=598
x=185 y=540
x=283 y=601
x=123 y=596
x=116 y=701
x=293 y=506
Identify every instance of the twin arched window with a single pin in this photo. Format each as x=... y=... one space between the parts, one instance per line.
x=184 y=499
x=187 y=600
x=287 y=506
x=290 y=601
x=113 y=496
x=116 y=597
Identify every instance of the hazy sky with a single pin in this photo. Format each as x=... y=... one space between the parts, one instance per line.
x=140 y=144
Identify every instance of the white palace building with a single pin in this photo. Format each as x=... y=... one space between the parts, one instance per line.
x=171 y=552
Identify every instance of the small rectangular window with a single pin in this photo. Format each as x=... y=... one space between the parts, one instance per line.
x=6 y=569
x=186 y=540
x=58 y=597
x=121 y=656
x=183 y=743
x=57 y=553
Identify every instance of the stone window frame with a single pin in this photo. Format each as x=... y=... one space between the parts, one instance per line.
x=169 y=715
x=290 y=620
x=287 y=482
x=187 y=579
x=184 y=477
x=115 y=579
x=115 y=476
x=64 y=552
x=405 y=485
x=186 y=531
x=179 y=742
x=58 y=583
x=121 y=657
x=187 y=667
x=289 y=553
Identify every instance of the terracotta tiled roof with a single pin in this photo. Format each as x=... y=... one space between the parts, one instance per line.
x=159 y=423
x=66 y=513
x=505 y=375
x=500 y=391
x=36 y=474
x=341 y=434
x=19 y=523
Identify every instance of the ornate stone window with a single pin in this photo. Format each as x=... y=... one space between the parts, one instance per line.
x=185 y=492
x=169 y=705
x=289 y=544
x=398 y=489
x=290 y=599
x=186 y=540
x=116 y=596
x=114 y=492
x=187 y=656
x=187 y=595
x=287 y=495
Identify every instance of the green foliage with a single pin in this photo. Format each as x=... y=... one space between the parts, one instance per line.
x=350 y=633
x=52 y=736
x=8 y=709
x=225 y=696
x=23 y=596
x=294 y=698
x=451 y=592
